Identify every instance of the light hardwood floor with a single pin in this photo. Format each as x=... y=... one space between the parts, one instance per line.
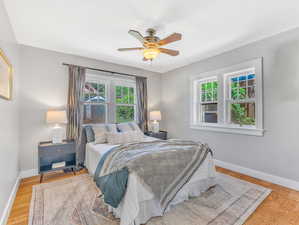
x=280 y=208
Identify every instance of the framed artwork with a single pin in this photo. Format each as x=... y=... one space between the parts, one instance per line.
x=5 y=77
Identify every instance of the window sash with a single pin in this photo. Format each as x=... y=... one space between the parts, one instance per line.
x=199 y=103
x=229 y=100
x=110 y=94
x=96 y=103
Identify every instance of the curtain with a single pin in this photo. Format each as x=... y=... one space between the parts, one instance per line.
x=141 y=92
x=75 y=109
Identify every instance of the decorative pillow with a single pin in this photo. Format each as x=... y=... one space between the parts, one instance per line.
x=89 y=134
x=130 y=126
x=124 y=137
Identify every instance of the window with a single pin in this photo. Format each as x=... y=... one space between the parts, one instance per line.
x=229 y=100
x=108 y=99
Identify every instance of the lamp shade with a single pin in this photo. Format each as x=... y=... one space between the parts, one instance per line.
x=155 y=115
x=56 y=116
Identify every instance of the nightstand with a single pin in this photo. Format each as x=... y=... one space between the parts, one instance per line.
x=160 y=135
x=49 y=154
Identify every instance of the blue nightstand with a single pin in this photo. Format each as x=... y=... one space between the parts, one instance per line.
x=49 y=153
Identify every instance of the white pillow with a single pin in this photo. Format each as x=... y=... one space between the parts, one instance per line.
x=108 y=127
x=124 y=137
x=100 y=131
x=130 y=126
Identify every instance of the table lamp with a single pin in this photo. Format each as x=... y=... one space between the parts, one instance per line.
x=155 y=116
x=57 y=117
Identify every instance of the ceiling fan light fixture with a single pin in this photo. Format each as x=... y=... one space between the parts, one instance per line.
x=150 y=53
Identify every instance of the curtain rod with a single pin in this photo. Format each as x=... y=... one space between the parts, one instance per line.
x=106 y=71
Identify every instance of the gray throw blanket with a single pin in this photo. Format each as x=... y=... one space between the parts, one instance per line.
x=163 y=167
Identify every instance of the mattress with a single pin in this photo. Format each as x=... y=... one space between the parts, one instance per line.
x=138 y=204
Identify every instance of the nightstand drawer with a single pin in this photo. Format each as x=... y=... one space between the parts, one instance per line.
x=53 y=150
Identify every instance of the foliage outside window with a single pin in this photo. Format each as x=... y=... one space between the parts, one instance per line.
x=229 y=100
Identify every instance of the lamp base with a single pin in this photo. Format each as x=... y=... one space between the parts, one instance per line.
x=155 y=127
x=57 y=135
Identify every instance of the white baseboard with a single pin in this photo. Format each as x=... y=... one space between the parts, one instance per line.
x=260 y=175
x=22 y=174
x=28 y=173
x=5 y=215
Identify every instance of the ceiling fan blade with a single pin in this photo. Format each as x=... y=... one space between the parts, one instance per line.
x=137 y=35
x=129 y=49
x=171 y=38
x=169 y=51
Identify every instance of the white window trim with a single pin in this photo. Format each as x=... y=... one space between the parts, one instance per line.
x=110 y=83
x=222 y=126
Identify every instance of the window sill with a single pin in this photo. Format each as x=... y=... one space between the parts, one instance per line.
x=229 y=129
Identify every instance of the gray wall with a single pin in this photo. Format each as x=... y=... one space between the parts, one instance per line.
x=44 y=85
x=276 y=153
x=9 y=135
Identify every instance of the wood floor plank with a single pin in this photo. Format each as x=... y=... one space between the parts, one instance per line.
x=280 y=208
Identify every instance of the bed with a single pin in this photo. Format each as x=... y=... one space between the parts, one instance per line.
x=138 y=204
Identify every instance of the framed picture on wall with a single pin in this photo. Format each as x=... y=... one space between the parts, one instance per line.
x=5 y=77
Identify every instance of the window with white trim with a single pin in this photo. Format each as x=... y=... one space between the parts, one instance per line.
x=109 y=99
x=229 y=100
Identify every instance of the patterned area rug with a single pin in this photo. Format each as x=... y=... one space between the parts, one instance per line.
x=74 y=201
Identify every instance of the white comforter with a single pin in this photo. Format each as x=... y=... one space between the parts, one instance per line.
x=138 y=205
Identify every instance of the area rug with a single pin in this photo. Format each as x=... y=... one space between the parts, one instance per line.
x=74 y=201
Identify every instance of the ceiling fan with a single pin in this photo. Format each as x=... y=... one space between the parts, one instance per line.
x=152 y=44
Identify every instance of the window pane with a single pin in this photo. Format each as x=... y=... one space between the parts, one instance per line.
x=242 y=93
x=243 y=87
x=124 y=114
x=215 y=94
x=125 y=98
x=209 y=96
x=251 y=92
x=131 y=95
x=94 y=113
x=251 y=86
x=102 y=94
x=209 y=113
x=203 y=96
x=209 y=91
x=243 y=113
x=118 y=94
x=124 y=95
x=94 y=92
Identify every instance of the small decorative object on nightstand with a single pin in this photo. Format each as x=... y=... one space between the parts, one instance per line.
x=53 y=157
x=161 y=134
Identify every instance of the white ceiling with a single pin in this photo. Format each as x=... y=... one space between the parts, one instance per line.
x=96 y=28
